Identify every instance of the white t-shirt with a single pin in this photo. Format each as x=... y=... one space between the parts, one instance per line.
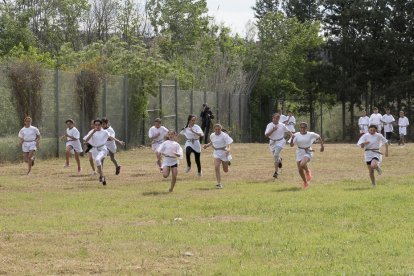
x=388 y=120
x=29 y=134
x=111 y=143
x=74 y=132
x=363 y=124
x=304 y=144
x=168 y=149
x=282 y=118
x=290 y=123
x=99 y=138
x=277 y=137
x=220 y=142
x=192 y=139
x=375 y=119
x=376 y=141
x=157 y=140
x=402 y=124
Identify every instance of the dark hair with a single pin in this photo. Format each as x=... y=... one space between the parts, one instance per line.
x=97 y=120
x=157 y=120
x=69 y=121
x=373 y=126
x=105 y=120
x=189 y=118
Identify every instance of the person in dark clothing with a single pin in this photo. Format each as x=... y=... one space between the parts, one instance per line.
x=206 y=117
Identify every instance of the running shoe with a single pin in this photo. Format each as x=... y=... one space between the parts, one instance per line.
x=229 y=163
x=275 y=175
x=118 y=170
x=200 y=173
x=187 y=169
x=33 y=160
x=219 y=186
x=308 y=175
x=280 y=163
x=66 y=166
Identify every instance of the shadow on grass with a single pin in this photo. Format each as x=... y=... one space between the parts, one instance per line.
x=291 y=189
x=204 y=189
x=138 y=174
x=358 y=189
x=154 y=193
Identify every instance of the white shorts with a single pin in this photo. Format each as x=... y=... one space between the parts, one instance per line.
x=76 y=145
x=111 y=147
x=301 y=153
x=155 y=145
x=169 y=161
x=29 y=146
x=98 y=154
x=276 y=153
x=221 y=154
x=402 y=130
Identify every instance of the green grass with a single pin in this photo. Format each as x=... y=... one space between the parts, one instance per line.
x=55 y=222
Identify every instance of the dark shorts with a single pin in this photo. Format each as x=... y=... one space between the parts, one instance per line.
x=369 y=162
x=173 y=166
x=388 y=135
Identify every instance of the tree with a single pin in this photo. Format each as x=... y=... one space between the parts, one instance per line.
x=263 y=7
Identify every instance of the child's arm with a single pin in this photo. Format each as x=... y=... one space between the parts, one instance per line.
x=207 y=145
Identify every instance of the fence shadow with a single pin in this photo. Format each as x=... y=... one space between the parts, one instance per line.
x=154 y=193
x=292 y=189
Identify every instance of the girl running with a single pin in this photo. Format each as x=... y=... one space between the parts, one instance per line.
x=29 y=141
x=304 y=152
x=73 y=143
x=192 y=133
x=372 y=142
x=111 y=144
x=171 y=151
x=221 y=142
x=157 y=135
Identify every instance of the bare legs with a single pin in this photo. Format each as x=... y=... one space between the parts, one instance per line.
x=304 y=171
x=27 y=156
x=217 y=163
x=67 y=155
x=174 y=173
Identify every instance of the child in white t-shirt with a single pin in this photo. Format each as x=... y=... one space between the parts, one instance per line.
x=221 y=142
x=363 y=123
x=403 y=123
x=73 y=143
x=304 y=152
x=111 y=144
x=171 y=151
x=29 y=141
x=157 y=135
x=372 y=142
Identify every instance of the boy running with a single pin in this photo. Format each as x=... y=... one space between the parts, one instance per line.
x=73 y=143
x=29 y=141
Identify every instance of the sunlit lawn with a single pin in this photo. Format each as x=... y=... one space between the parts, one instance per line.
x=56 y=222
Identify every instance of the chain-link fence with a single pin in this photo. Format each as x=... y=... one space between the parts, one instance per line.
x=61 y=101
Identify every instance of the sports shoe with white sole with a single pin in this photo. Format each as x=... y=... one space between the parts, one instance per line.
x=379 y=170
x=219 y=186
x=188 y=169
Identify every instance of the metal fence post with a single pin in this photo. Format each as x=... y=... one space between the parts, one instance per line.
x=57 y=110
x=82 y=117
x=176 y=104
x=217 y=103
x=192 y=100
x=229 y=112
x=104 y=93
x=160 y=96
x=125 y=84
x=240 y=118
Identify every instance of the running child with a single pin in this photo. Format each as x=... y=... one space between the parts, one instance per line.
x=276 y=131
x=29 y=141
x=221 y=142
x=403 y=123
x=157 y=134
x=192 y=133
x=290 y=121
x=388 y=120
x=88 y=148
x=304 y=152
x=363 y=123
x=111 y=144
x=73 y=143
x=375 y=119
x=372 y=142
x=171 y=151
x=98 y=138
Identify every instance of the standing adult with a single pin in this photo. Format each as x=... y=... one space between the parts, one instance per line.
x=403 y=123
x=206 y=116
x=375 y=119
x=304 y=152
x=372 y=142
x=29 y=141
x=157 y=135
x=388 y=121
x=276 y=131
x=363 y=123
x=73 y=143
x=193 y=134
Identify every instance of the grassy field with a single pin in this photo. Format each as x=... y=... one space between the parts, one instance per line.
x=56 y=222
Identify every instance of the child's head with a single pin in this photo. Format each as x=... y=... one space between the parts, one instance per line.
x=171 y=135
x=387 y=111
x=217 y=129
x=375 y=110
x=27 y=121
x=276 y=118
x=97 y=124
x=303 y=127
x=401 y=113
x=363 y=113
x=157 y=122
x=69 y=123
x=191 y=120
x=105 y=123
x=372 y=129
